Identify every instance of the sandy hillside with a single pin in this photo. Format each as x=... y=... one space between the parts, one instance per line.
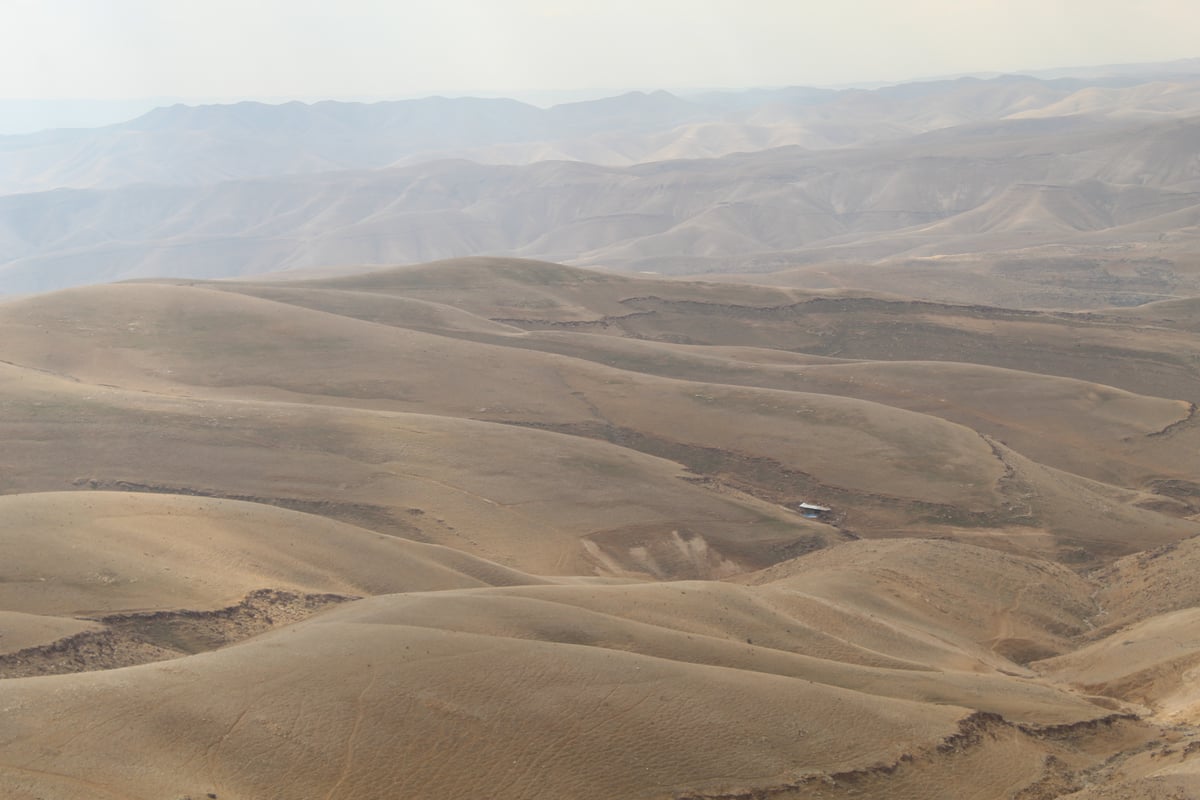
x=509 y=529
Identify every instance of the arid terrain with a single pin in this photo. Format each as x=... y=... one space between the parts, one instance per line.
x=511 y=529
x=1060 y=192
x=775 y=444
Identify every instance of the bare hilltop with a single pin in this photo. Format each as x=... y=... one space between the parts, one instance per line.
x=515 y=529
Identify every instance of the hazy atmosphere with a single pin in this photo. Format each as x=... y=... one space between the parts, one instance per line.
x=310 y=49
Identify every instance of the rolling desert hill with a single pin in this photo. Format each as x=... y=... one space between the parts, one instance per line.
x=600 y=681
x=886 y=467
x=508 y=528
x=122 y=552
x=419 y=656
x=463 y=696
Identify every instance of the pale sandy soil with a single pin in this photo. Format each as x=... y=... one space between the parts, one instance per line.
x=507 y=529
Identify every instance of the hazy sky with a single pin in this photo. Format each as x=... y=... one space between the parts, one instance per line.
x=357 y=48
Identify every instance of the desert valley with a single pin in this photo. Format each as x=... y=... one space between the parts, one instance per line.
x=764 y=445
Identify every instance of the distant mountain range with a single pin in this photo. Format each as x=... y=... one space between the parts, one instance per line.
x=199 y=145
x=1012 y=173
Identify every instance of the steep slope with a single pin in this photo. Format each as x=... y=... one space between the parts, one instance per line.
x=1144 y=585
x=1018 y=608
